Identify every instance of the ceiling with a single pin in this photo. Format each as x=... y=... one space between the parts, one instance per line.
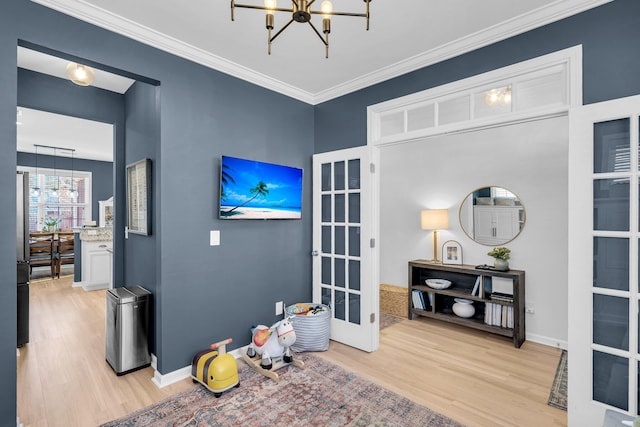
x=404 y=35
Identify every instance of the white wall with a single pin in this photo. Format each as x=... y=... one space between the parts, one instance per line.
x=530 y=159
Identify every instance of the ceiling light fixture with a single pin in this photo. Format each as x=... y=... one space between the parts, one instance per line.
x=498 y=96
x=80 y=74
x=301 y=12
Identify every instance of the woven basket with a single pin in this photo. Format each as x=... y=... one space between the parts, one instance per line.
x=313 y=331
x=393 y=300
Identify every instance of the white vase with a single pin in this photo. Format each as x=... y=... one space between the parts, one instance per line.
x=463 y=308
x=501 y=264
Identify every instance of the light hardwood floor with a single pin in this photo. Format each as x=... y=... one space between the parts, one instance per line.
x=477 y=379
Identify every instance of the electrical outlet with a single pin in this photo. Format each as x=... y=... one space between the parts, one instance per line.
x=279 y=308
x=530 y=309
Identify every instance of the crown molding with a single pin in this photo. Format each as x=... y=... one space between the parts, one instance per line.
x=102 y=18
x=534 y=19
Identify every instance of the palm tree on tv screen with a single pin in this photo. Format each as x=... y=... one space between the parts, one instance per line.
x=259 y=190
x=225 y=178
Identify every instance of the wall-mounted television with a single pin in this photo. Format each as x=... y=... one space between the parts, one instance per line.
x=256 y=190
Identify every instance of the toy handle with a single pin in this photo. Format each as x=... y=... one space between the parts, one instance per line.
x=221 y=343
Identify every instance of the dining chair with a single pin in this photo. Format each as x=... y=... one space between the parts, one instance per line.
x=65 y=250
x=41 y=251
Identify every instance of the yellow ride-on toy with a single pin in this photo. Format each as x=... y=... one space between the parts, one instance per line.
x=217 y=370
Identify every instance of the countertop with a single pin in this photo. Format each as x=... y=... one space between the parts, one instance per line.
x=96 y=234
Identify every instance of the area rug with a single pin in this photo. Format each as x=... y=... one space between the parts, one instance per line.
x=320 y=394
x=558 y=394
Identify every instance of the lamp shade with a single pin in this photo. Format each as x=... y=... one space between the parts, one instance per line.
x=434 y=219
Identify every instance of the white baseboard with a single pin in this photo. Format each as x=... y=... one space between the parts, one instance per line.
x=163 y=380
x=551 y=342
x=93 y=286
x=18 y=423
x=76 y=285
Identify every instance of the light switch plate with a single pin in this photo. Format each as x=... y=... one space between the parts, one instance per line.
x=214 y=238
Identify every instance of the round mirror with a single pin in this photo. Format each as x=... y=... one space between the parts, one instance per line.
x=492 y=216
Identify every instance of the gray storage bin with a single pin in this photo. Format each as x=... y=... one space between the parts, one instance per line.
x=312 y=331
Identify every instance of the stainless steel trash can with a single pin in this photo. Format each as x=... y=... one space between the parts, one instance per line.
x=127 y=324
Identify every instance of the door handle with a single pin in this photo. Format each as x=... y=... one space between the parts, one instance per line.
x=315 y=253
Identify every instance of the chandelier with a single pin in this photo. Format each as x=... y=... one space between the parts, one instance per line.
x=301 y=12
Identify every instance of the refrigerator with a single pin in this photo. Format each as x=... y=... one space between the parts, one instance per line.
x=22 y=255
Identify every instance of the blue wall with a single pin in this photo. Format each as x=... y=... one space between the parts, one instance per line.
x=143 y=142
x=609 y=36
x=202 y=293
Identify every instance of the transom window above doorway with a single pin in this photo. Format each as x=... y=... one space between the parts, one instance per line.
x=541 y=87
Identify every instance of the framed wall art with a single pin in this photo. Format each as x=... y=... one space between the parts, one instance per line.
x=139 y=197
x=452 y=253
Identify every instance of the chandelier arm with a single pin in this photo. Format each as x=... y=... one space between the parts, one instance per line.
x=318 y=33
x=310 y=3
x=252 y=6
x=281 y=30
x=319 y=12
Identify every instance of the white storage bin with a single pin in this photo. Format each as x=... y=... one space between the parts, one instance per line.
x=312 y=330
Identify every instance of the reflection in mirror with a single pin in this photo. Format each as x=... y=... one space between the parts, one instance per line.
x=492 y=216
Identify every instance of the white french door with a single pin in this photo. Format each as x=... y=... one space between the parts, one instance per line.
x=344 y=245
x=604 y=175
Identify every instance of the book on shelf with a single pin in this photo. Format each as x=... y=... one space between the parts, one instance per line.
x=419 y=301
x=498 y=315
x=476 y=287
x=422 y=302
x=496 y=296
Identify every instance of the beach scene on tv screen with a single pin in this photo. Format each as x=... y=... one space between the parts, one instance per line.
x=256 y=190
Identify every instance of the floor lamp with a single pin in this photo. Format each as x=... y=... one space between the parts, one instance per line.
x=435 y=219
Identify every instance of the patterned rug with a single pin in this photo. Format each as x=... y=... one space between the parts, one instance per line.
x=558 y=394
x=320 y=394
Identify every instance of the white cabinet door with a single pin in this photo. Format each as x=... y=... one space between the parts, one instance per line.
x=96 y=264
x=495 y=225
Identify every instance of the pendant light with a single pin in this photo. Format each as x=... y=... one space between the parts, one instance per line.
x=36 y=190
x=54 y=190
x=73 y=191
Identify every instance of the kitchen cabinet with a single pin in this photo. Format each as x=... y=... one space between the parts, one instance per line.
x=495 y=225
x=96 y=264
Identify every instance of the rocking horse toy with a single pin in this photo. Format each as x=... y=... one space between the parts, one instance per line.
x=269 y=349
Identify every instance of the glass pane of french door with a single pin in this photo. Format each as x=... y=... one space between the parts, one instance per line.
x=615 y=296
x=340 y=249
